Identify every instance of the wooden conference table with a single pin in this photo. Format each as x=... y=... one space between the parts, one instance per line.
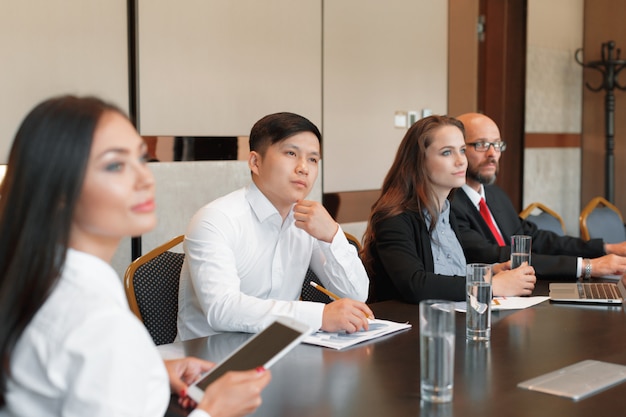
x=381 y=378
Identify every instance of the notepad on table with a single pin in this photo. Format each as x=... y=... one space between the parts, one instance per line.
x=341 y=340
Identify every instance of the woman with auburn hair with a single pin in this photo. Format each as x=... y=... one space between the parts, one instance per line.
x=76 y=184
x=410 y=248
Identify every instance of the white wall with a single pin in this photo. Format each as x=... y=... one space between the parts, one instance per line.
x=51 y=47
x=553 y=78
x=214 y=67
x=552 y=176
x=379 y=57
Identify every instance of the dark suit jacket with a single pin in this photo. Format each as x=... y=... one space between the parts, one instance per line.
x=403 y=266
x=553 y=256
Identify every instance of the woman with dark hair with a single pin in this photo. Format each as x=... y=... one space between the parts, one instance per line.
x=76 y=184
x=410 y=248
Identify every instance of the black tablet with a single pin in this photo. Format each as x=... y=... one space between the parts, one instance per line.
x=262 y=349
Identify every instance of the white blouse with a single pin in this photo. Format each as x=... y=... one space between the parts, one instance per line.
x=85 y=353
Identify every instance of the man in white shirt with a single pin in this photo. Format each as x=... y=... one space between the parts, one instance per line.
x=247 y=253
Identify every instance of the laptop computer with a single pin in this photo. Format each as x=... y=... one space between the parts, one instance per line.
x=588 y=292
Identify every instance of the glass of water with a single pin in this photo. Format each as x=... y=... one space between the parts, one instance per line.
x=520 y=250
x=478 y=296
x=436 y=350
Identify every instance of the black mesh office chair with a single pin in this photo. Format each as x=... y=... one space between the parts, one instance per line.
x=353 y=241
x=151 y=284
x=311 y=294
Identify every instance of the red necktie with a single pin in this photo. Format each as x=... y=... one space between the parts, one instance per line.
x=484 y=211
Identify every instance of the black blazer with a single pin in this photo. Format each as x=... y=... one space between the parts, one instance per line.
x=403 y=267
x=553 y=256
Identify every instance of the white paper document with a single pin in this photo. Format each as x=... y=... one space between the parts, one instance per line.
x=506 y=303
x=341 y=340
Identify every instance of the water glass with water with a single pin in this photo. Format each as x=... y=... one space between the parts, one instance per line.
x=520 y=250
x=478 y=296
x=436 y=350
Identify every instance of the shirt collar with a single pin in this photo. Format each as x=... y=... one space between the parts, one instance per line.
x=444 y=216
x=261 y=206
x=473 y=195
x=101 y=277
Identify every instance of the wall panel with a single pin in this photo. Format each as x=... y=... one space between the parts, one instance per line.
x=214 y=67
x=379 y=58
x=51 y=47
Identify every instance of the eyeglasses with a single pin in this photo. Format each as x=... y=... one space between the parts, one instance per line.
x=484 y=146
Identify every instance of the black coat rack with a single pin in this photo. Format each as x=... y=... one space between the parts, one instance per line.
x=610 y=67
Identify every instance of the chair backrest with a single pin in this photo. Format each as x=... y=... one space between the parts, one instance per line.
x=151 y=284
x=545 y=219
x=601 y=219
x=311 y=294
x=353 y=241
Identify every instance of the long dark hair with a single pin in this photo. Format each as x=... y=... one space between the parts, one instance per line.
x=38 y=195
x=407 y=185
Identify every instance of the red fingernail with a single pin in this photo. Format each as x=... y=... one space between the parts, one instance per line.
x=183 y=393
x=260 y=369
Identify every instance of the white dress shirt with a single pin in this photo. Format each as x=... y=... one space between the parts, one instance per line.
x=244 y=267
x=85 y=354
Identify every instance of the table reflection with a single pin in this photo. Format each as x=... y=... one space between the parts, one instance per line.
x=477 y=369
x=428 y=409
x=381 y=377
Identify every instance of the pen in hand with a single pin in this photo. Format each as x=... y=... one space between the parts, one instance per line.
x=324 y=290
x=332 y=295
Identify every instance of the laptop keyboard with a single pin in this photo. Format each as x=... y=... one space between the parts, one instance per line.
x=598 y=291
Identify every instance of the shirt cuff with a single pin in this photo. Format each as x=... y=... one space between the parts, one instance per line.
x=199 y=413
x=340 y=247
x=310 y=313
x=579 y=267
x=336 y=238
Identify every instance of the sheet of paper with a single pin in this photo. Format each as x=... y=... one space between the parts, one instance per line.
x=506 y=303
x=341 y=340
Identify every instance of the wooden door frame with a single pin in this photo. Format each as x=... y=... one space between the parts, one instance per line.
x=502 y=85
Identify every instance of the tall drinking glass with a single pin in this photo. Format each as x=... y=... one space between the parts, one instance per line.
x=520 y=250
x=436 y=350
x=478 y=297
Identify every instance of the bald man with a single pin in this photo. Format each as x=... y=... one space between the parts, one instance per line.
x=554 y=256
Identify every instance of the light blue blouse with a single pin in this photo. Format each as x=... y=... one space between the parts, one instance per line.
x=448 y=254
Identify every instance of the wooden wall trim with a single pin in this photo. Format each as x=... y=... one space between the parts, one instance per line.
x=462 y=56
x=552 y=140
